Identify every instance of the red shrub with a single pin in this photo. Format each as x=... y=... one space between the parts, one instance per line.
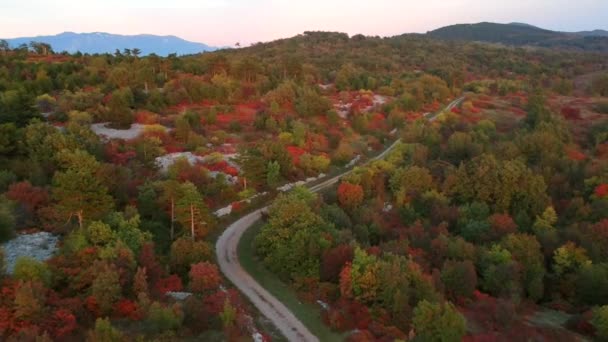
x=502 y=225
x=350 y=195
x=237 y=206
x=31 y=197
x=333 y=260
x=92 y=306
x=146 y=118
x=576 y=155
x=204 y=276
x=6 y=320
x=296 y=153
x=171 y=283
x=62 y=323
x=126 y=309
x=571 y=113
x=601 y=190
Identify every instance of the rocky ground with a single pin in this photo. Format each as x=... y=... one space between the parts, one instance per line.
x=39 y=246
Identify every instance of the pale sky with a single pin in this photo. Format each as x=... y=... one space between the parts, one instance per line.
x=225 y=22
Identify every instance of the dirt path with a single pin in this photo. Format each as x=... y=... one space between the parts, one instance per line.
x=228 y=260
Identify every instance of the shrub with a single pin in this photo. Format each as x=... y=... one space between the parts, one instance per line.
x=204 y=276
x=600 y=322
x=438 y=322
x=104 y=331
x=162 y=319
x=27 y=268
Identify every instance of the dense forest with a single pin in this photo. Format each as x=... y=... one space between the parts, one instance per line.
x=484 y=222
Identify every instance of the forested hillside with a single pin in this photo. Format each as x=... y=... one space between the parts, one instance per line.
x=479 y=223
x=515 y=34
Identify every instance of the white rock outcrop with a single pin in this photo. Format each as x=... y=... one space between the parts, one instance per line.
x=40 y=246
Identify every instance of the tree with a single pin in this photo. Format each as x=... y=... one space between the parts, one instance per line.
x=29 y=301
x=170 y=193
x=140 y=282
x=310 y=103
x=204 y=276
x=501 y=225
x=147 y=259
x=7 y=219
x=77 y=191
x=459 y=278
x=119 y=108
x=100 y=234
x=4 y=46
x=334 y=260
x=526 y=251
x=409 y=182
x=350 y=196
x=592 y=284
x=506 y=186
x=537 y=110
x=9 y=136
x=364 y=277
x=228 y=314
x=192 y=212
x=461 y=146
x=41 y=48
x=161 y=319
x=546 y=222
x=104 y=332
x=293 y=240
x=185 y=252
x=600 y=322
x=313 y=165
x=29 y=269
x=569 y=258
x=499 y=272
x=273 y=175
x=599 y=85
x=106 y=287
x=438 y=322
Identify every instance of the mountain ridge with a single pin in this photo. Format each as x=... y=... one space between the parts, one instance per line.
x=103 y=42
x=519 y=34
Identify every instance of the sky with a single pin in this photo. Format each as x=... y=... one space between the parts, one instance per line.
x=225 y=22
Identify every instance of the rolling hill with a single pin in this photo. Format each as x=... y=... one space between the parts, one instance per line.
x=518 y=34
x=100 y=42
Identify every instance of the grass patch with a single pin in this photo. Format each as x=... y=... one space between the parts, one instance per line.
x=308 y=314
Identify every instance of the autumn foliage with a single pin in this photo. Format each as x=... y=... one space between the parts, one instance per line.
x=350 y=195
x=204 y=276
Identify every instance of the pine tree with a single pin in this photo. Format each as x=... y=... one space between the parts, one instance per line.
x=192 y=212
x=77 y=191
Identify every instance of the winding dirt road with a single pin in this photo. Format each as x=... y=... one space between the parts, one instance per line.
x=228 y=260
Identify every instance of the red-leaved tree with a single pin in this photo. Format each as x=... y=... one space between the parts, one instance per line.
x=204 y=276
x=350 y=195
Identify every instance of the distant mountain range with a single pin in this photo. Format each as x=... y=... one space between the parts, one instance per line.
x=520 y=34
x=516 y=34
x=100 y=42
